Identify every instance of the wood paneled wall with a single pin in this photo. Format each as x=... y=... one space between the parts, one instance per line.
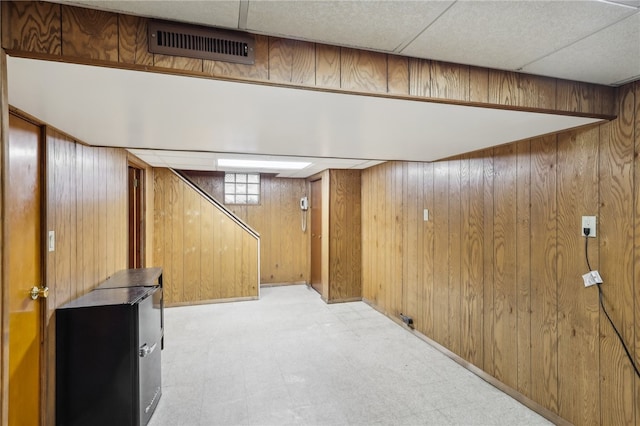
x=206 y=256
x=48 y=30
x=86 y=202
x=343 y=236
x=495 y=274
x=284 y=247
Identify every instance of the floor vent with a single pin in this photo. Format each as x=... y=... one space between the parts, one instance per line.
x=200 y=42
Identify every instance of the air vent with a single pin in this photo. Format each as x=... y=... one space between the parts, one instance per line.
x=200 y=42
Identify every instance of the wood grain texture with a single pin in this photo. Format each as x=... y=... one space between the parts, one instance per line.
x=503 y=87
x=398 y=75
x=455 y=259
x=345 y=247
x=505 y=291
x=488 y=260
x=178 y=63
x=31 y=26
x=328 y=66
x=133 y=41
x=426 y=304
x=616 y=259
x=578 y=310
x=441 y=253
x=283 y=245
x=292 y=61
x=219 y=265
x=472 y=265
x=449 y=81
x=478 y=84
x=363 y=71
x=523 y=265
x=536 y=92
x=544 y=254
x=419 y=77
x=89 y=33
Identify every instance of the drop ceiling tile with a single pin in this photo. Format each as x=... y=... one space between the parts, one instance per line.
x=510 y=34
x=600 y=58
x=220 y=13
x=377 y=25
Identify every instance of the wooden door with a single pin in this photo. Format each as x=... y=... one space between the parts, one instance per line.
x=136 y=217
x=23 y=242
x=316 y=235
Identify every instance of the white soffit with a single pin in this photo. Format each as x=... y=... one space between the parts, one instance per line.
x=510 y=34
x=219 y=13
x=365 y=24
x=208 y=161
x=132 y=109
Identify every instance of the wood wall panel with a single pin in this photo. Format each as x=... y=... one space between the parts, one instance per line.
x=426 y=304
x=363 y=71
x=89 y=33
x=398 y=72
x=78 y=200
x=504 y=290
x=31 y=26
x=616 y=259
x=540 y=331
x=454 y=253
x=544 y=309
x=523 y=266
x=327 y=66
x=441 y=253
x=133 y=41
x=284 y=257
x=578 y=325
x=449 y=81
x=488 y=260
x=200 y=268
x=345 y=247
x=292 y=61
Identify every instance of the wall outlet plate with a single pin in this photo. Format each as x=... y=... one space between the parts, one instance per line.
x=425 y=215
x=588 y=222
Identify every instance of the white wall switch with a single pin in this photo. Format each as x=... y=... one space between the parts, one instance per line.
x=52 y=240
x=425 y=215
x=588 y=222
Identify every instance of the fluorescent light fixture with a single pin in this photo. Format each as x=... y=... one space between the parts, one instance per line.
x=262 y=164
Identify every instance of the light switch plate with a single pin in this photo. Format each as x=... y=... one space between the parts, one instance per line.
x=425 y=215
x=588 y=222
x=52 y=240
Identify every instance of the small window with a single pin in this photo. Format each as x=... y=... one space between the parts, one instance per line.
x=242 y=188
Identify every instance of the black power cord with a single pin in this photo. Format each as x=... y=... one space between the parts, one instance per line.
x=587 y=231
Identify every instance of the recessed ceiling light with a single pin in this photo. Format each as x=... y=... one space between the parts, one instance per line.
x=262 y=164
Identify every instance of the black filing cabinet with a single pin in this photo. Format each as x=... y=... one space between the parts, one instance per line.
x=108 y=357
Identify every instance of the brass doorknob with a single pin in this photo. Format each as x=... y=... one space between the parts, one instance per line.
x=39 y=292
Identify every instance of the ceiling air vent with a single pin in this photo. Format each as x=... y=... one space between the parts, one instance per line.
x=200 y=42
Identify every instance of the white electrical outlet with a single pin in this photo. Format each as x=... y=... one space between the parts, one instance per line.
x=425 y=215
x=52 y=241
x=588 y=222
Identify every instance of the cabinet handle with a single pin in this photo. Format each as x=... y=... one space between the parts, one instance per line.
x=146 y=349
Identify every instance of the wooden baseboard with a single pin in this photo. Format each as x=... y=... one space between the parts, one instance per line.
x=524 y=400
x=349 y=299
x=211 y=301
x=267 y=285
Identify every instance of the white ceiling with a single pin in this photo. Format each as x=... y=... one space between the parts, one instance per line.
x=160 y=112
x=583 y=40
